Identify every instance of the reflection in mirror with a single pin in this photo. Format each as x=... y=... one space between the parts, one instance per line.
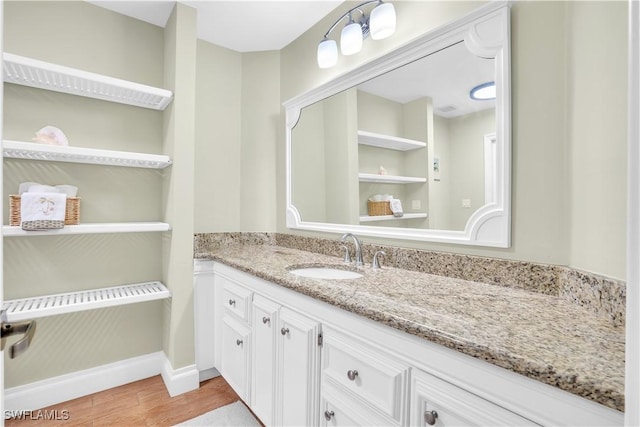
x=407 y=152
x=339 y=168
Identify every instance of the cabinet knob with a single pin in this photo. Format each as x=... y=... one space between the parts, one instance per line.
x=328 y=415
x=284 y=331
x=265 y=320
x=232 y=302
x=238 y=342
x=352 y=374
x=430 y=417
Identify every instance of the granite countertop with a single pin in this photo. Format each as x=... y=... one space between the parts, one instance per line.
x=543 y=337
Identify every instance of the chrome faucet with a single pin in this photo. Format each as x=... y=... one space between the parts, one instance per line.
x=358 y=254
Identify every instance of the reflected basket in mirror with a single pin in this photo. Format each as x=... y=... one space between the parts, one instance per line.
x=379 y=208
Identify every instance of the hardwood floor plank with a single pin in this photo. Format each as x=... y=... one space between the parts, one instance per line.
x=141 y=403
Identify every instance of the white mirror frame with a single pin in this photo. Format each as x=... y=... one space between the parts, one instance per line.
x=486 y=33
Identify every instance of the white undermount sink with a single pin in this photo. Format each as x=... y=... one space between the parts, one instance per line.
x=325 y=273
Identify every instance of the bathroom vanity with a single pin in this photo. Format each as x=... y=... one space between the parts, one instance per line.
x=399 y=347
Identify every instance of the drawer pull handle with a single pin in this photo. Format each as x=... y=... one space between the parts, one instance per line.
x=238 y=342
x=328 y=415
x=284 y=331
x=352 y=375
x=430 y=417
x=232 y=302
x=265 y=320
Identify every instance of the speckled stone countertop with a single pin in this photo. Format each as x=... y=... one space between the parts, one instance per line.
x=543 y=337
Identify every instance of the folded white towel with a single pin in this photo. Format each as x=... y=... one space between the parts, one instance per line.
x=43 y=206
x=396 y=207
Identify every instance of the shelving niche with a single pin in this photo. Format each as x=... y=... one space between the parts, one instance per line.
x=43 y=75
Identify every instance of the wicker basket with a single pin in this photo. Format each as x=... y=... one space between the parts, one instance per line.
x=71 y=215
x=379 y=208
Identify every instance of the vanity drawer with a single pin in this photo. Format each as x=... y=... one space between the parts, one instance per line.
x=435 y=402
x=364 y=372
x=236 y=299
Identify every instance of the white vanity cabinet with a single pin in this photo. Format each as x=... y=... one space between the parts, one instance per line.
x=284 y=364
x=266 y=351
x=233 y=334
x=298 y=361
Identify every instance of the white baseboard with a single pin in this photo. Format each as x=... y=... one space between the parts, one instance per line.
x=178 y=381
x=70 y=386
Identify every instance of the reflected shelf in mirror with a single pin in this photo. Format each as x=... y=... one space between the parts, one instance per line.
x=370 y=218
x=390 y=179
x=386 y=141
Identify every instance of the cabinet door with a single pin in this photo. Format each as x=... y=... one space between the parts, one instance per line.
x=235 y=350
x=264 y=325
x=298 y=369
x=437 y=402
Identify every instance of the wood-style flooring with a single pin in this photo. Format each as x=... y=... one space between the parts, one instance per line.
x=141 y=403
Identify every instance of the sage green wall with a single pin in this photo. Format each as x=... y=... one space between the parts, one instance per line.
x=178 y=185
x=261 y=128
x=237 y=128
x=560 y=215
x=81 y=35
x=218 y=130
x=597 y=135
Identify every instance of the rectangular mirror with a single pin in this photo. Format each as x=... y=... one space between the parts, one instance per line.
x=409 y=127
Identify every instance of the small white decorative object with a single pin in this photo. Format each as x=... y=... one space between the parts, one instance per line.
x=382 y=170
x=51 y=135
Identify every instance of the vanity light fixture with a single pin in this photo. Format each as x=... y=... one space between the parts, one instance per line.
x=380 y=24
x=484 y=92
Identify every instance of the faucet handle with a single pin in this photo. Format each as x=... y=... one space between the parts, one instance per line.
x=347 y=257
x=375 y=263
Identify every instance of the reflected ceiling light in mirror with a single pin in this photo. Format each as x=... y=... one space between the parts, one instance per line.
x=484 y=92
x=381 y=23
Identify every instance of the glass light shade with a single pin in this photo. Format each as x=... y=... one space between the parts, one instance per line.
x=484 y=92
x=382 y=22
x=327 y=53
x=351 y=39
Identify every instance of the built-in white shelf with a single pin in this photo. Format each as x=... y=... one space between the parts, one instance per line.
x=50 y=305
x=389 y=179
x=56 y=153
x=387 y=141
x=90 y=228
x=44 y=75
x=368 y=218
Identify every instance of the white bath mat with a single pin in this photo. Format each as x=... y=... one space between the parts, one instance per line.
x=234 y=414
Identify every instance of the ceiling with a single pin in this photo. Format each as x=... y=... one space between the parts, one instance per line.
x=243 y=26
x=259 y=25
